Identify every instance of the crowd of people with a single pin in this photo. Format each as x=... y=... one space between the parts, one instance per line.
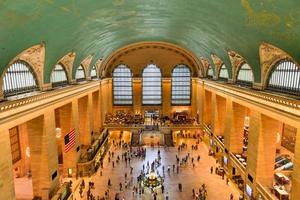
x=184 y=159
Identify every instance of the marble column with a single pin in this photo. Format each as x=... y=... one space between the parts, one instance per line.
x=7 y=188
x=43 y=154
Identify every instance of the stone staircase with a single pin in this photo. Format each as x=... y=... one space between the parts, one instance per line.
x=169 y=139
x=135 y=139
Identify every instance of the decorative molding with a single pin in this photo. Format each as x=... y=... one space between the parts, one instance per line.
x=86 y=65
x=236 y=61
x=269 y=56
x=117 y=57
x=218 y=64
x=98 y=67
x=35 y=57
x=205 y=65
x=67 y=61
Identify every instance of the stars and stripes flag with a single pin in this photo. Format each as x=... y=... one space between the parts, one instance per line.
x=70 y=140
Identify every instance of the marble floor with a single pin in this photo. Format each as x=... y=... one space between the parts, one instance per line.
x=190 y=177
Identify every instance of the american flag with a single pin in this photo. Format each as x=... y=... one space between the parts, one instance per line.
x=70 y=140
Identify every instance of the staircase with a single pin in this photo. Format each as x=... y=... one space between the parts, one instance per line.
x=169 y=140
x=152 y=138
x=135 y=139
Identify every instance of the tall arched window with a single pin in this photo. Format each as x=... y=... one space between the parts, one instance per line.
x=59 y=76
x=151 y=85
x=122 y=85
x=181 y=85
x=245 y=75
x=210 y=72
x=19 y=79
x=94 y=72
x=285 y=78
x=223 y=73
x=80 y=74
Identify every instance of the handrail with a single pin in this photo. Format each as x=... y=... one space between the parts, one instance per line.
x=264 y=192
x=238 y=164
x=13 y=104
x=278 y=102
x=221 y=144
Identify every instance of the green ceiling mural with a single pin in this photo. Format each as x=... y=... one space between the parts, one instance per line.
x=99 y=27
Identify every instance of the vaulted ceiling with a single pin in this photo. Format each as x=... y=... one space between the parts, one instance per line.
x=99 y=27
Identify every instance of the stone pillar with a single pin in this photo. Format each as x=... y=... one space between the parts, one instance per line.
x=137 y=95
x=262 y=148
x=68 y=117
x=25 y=161
x=194 y=94
x=214 y=113
x=207 y=107
x=295 y=194
x=100 y=106
x=228 y=122
x=200 y=100
x=235 y=139
x=166 y=97
x=7 y=188
x=107 y=98
x=84 y=114
x=90 y=113
x=219 y=115
x=43 y=154
x=96 y=111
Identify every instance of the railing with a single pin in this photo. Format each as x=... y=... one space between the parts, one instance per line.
x=238 y=164
x=264 y=192
x=16 y=108
x=220 y=143
x=96 y=146
x=257 y=96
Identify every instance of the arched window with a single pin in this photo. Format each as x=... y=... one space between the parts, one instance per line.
x=210 y=72
x=80 y=74
x=94 y=72
x=245 y=75
x=223 y=73
x=59 y=76
x=285 y=78
x=151 y=85
x=122 y=85
x=19 y=79
x=181 y=85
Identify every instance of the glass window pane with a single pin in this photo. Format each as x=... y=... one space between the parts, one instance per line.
x=181 y=85
x=59 y=76
x=151 y=85
x=245 y=75
x=94 y=72
x=18 y=79
x=223 y=74
x=80 y=74
x=122 y=85
x=285 y=78
x=210 y=72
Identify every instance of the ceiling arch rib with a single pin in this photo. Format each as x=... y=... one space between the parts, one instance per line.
x=101 y=27
x=165 y=55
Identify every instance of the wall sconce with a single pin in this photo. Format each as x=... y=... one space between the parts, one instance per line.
x=58 y=132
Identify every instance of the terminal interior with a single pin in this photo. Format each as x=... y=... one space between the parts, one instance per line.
x=150 y=100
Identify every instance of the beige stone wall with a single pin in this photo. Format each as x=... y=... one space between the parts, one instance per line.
x=7 y=189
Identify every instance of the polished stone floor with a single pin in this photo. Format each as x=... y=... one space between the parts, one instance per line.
x=190 y=177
